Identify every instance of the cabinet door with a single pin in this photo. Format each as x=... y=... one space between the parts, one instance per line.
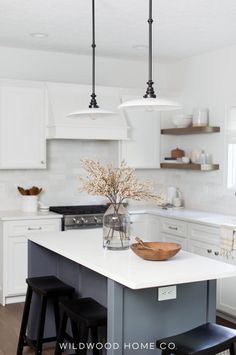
x=226 y=296
x=22 y=127
x=153 y=228
x=226 y=292
x=139 y=226
x=16 y=240
x=142 y=149
x=175 y=239
x=16 y=265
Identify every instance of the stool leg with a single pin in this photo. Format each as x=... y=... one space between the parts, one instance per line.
x=83 y=338
x=94 y=338
x=75 y=333
x=24 y=322
x=56 y=314
x=39 y=342
x=61 y=334
x=232 y=349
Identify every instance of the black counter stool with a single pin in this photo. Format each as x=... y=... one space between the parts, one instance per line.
x=48 y=288
x=85 y=314
x=208 y=339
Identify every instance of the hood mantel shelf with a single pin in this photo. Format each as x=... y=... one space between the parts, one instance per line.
x=63 y=98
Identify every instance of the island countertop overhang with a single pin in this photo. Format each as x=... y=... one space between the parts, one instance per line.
x=85 y=248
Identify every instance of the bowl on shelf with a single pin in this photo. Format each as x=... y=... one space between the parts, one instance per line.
x=182 y=121
x=156 y=251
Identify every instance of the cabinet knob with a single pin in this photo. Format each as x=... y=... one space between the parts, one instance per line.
x=209 y=251
x=42 y=162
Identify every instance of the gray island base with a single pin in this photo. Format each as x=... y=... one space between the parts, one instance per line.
x=136 y=319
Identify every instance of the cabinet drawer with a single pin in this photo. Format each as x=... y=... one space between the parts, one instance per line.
x=33 y=226
x=175 y=239
x=175 y=227
x=204 y=233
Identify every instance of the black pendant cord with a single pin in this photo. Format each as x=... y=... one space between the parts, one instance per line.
x=93 y=102
x=150 y=93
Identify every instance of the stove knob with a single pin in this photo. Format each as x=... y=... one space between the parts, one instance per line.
x=95 y=219
x=84 y=220
x=98 y=220
x=77 y=221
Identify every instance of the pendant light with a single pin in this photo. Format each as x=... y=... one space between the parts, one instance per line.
x=149 y=101
x=93 y=111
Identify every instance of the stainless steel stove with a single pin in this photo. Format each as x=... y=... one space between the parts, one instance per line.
x=78 y=217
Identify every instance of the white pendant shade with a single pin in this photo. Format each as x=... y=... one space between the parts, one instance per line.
x=92 y=113
x=150 y=104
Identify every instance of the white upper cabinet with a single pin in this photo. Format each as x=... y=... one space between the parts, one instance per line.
x=142 y=149
x=22 y=125
x=66 y=98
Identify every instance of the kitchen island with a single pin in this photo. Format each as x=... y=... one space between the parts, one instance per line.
x=129 y=287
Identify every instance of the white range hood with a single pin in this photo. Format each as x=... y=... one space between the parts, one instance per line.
x=65 y=98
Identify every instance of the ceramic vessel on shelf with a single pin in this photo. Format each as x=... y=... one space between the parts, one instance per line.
x=200 y=117
x=182 y=121
x=116 y=227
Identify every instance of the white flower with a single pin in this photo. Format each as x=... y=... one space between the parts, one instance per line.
x=116 y=184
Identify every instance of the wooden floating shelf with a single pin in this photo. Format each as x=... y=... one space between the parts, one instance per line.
x=190 y=130
x=190 y=166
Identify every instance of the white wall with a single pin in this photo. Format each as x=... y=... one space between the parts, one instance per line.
x=207 y=80
x=16 y=63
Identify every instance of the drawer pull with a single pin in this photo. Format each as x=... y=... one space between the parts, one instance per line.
x=34 y=228
x=173 y=228
x=216 y=253
x=209 y=251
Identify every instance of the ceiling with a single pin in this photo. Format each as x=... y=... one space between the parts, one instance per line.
x=182 y=28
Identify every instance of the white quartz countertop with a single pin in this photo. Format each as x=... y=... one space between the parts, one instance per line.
x=213 y=219
x=85 y=247
x=19 y=215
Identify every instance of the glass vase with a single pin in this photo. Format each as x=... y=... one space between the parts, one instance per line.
x=116 y=227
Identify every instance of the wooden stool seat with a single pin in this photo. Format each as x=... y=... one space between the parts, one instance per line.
x=47 y=288
x=208 y=338
x=85 y=314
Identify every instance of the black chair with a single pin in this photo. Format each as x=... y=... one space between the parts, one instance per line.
x=84 y=314
x=207 y=339
x=48 y=288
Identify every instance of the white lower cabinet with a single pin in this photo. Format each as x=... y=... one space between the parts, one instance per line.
x=226 y=296
x=145 y=226
x=14 y=254
x=16 y=270
x=170 y=238
x=205 y=241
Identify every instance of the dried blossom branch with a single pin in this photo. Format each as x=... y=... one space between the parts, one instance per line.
x=116 y=184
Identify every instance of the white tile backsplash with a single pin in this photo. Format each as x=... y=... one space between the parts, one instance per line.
x=60 y=181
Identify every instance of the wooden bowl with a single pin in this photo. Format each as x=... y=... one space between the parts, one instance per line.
x=160 y=250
